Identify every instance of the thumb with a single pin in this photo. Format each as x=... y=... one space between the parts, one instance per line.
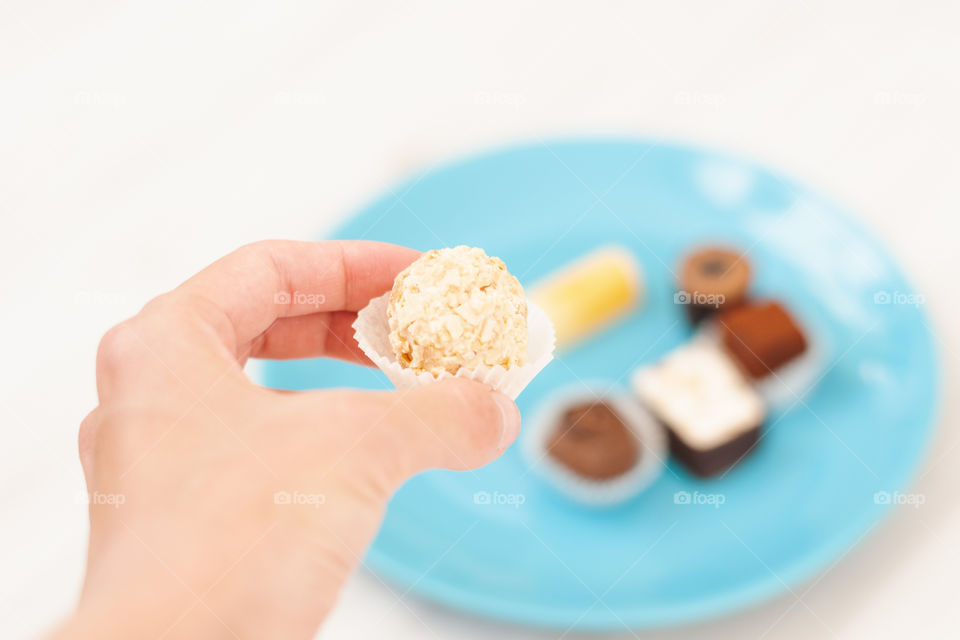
x=454 y=424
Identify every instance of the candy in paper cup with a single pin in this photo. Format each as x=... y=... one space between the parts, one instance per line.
x=651 y=440
x=789 y=384
x=372 y=332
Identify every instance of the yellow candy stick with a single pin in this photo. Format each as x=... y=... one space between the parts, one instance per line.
x=590 y=294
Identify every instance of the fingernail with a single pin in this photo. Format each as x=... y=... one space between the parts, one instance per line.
x=509 y=420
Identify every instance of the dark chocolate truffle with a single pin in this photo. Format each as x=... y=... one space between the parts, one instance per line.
x=593 y=441
x=712 y=278
x=761 y=337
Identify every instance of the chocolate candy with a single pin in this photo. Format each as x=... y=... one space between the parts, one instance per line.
x=709 y=462
x=761 y=337
x=712 y=415
x=593 y=441
x=712 y=278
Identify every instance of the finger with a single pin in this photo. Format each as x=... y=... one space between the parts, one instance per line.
x=454 y=424
x=318 y=334
x=86 y=441
x=259 y=283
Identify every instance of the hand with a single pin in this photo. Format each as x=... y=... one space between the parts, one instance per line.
x=223 y=509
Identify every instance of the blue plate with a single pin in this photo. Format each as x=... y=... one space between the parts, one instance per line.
x=501 y=543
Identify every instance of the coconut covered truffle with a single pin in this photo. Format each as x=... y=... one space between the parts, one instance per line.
x=456 y=308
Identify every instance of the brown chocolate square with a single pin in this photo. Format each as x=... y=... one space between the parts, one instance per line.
x=761 y=337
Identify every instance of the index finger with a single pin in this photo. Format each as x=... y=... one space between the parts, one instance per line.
x=264 y=281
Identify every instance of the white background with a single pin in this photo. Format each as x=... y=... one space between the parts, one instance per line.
x=139 y=141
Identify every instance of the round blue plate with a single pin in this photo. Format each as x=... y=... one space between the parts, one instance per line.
x=501 y=543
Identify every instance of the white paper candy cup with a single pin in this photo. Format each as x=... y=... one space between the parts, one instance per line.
x=372 y=332
x=789 y=384
x=787 y=387
x=651 y=440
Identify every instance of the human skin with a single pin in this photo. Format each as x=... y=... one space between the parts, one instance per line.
x=220 y=508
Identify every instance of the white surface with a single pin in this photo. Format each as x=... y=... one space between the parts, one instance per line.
x=139 y=141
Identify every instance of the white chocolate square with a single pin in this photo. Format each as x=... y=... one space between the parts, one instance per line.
x=700 y=395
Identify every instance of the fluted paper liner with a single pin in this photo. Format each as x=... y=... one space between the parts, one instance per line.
x=651 y=441
x=372 y=332
x=790 y=383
